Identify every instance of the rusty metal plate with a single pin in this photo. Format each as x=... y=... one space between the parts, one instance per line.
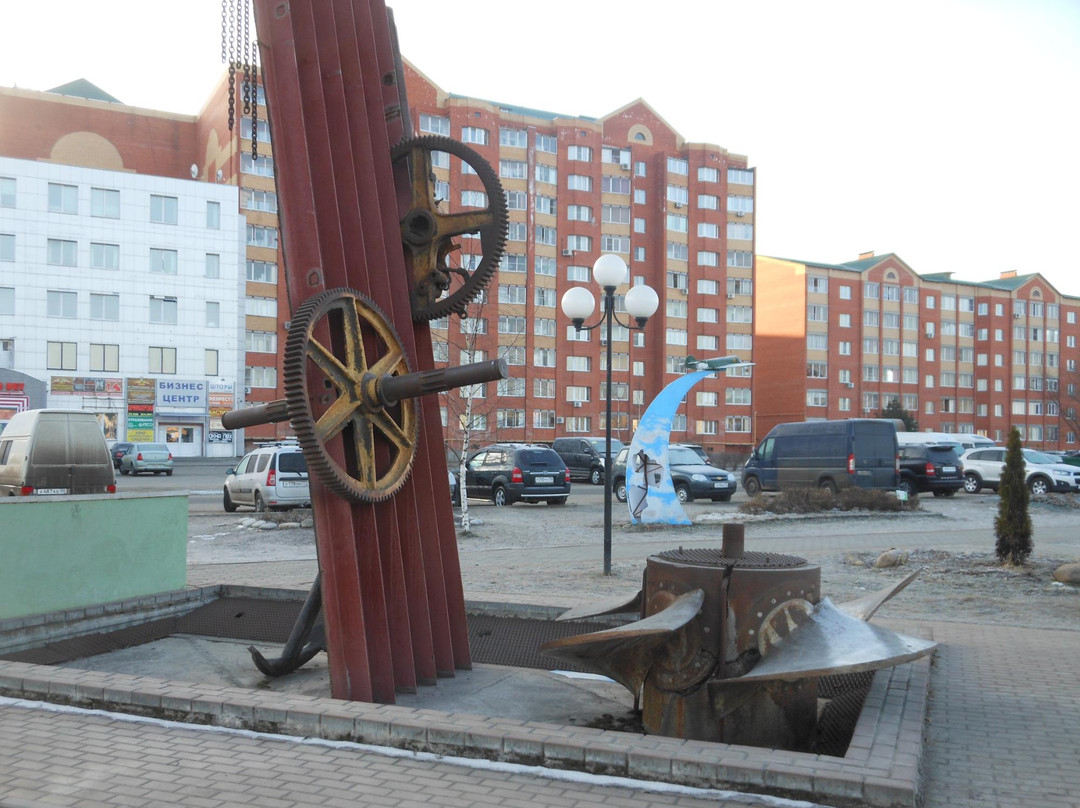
x=708 y=557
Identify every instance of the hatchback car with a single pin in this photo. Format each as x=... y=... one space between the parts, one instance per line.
x=982 y=469
x=117 y=451
x=143 y=457
x=933 y=467
x=690 y=475
x=269 y=478
x=507 y=473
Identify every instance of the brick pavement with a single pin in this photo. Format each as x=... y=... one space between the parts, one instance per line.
x=1000 y=732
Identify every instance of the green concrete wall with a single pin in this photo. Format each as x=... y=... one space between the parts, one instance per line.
x=77 y=551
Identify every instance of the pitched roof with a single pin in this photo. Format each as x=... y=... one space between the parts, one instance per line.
x=81 y=88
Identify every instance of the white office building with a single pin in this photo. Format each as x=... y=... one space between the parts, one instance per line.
x=122 y=294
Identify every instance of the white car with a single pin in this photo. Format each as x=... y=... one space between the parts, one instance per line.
x=269 y=478
x=982 y=469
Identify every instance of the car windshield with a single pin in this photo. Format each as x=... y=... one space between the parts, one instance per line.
x=153 y=447
x=599 y=445
x=1038 y=457
x=684 y=457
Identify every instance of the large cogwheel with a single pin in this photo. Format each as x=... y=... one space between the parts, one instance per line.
x=340 y=346
x=439 y=289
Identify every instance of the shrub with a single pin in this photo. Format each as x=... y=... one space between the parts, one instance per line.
x=1012 y=527
x=818 y=500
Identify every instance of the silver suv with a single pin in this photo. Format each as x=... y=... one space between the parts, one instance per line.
x=1044 y=474
x=269 y=478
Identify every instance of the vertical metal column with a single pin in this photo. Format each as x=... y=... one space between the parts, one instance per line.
x=392 y=596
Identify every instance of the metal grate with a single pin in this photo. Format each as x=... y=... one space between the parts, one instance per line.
x=707 y=557
x=846 y=693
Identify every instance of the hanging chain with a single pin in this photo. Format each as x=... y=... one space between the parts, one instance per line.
x=241 y=54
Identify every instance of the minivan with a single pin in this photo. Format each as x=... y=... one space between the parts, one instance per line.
x=961 y=441
x=55 y=452
x=854 y=453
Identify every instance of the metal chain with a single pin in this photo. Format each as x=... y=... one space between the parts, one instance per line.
x=231 y=42
x=254 y=101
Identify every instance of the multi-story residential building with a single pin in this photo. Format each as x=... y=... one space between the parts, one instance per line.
x=680 y=214
x=843 y=340
x=120 y=295
x=195 y=159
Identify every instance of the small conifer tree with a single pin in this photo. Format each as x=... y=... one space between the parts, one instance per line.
x=1012 y=527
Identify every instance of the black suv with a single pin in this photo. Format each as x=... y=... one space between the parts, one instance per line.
x=584 y=456
x=508 y=472
x=930 y=467
x=690 y=475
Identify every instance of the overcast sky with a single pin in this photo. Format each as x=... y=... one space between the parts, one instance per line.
x=946 y=131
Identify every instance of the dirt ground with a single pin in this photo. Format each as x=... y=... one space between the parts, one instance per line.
x=554 y=555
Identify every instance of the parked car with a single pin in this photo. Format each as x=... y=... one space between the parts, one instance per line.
x=584 y=456
x=857 y=452
x=933 y=467
x=507 y=473
x=1043 y=474
x=117 y=451
x=699 y=450
x=153 y=457
x=55 y=452
x=692 y=478
x=273 y=477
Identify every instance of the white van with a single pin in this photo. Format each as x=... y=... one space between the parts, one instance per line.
x=961 y=441
x=54 y=452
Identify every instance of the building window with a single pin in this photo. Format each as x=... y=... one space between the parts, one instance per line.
x=163 y=261
x=579 y=182
x=260 y=376
x=105 y=202
x=546 y=266
x=474 y=134
x=738 y=176
x=544 y=357
x=706 y=174
x=580 y=153
x=514 y=138
x=61 y=252
x=258 y=236
x=708 y=230
x=261 y=272
x=582 y=243
x=163 y=310
x=435 y=125
x=678 y=251
x=7 y=247
x=7 y=192
x=213 y=314
x=62 y=304
x=261 y=167
x=740 y=231
x=740 y=204
x=210 y=362
x=163 y=209
x=105 y=358
x=676 y=165
x=213 y=215
x=474 y=199
x=548 y=174
x=105 y=256
x=104 y=307
x=162 y=360
x=513 y=169
x=213 y=265
x=547 y=205
x=737 y=423
x=547 y=143
x=60 y=355
x=63 y=198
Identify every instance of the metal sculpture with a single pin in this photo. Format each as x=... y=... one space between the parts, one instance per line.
x=368 y=257
x=730 y=644
x=647 y=471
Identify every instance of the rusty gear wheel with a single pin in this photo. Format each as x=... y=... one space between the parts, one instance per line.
x=439 y=289
x=340 y=345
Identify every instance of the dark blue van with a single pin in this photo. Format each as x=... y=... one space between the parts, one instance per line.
x=857 y=452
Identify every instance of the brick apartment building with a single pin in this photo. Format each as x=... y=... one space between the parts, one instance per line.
x=680 y=214
x=842 y=340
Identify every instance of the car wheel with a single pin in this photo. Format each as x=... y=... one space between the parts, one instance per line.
x=620 y=490
x=722 y=498
x=907 y=487
x=596 y=476
x=168 y=474
x=260 y=504
x=683 y=493
x=948 y=494
x=125 y=471
x=1039 y=486
x=227 y=503
x=156 y=473
x=752 y=486
x=828 y=485
x=557 y=501
x=972 y=483
x=498 y=496
x=134 y=472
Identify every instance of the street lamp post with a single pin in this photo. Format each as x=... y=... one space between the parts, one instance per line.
x=578 y=303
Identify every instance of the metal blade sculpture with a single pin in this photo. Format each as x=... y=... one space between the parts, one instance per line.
x=730 y=644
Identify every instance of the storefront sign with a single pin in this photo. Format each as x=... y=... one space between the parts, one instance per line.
x=85 y=386
x=217 y=436
x=141 y=391
x=220 y=403
x=140 y=427
x=181 y=395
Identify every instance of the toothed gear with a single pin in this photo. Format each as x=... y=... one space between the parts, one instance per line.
x=360 y=448
x=427 y=232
